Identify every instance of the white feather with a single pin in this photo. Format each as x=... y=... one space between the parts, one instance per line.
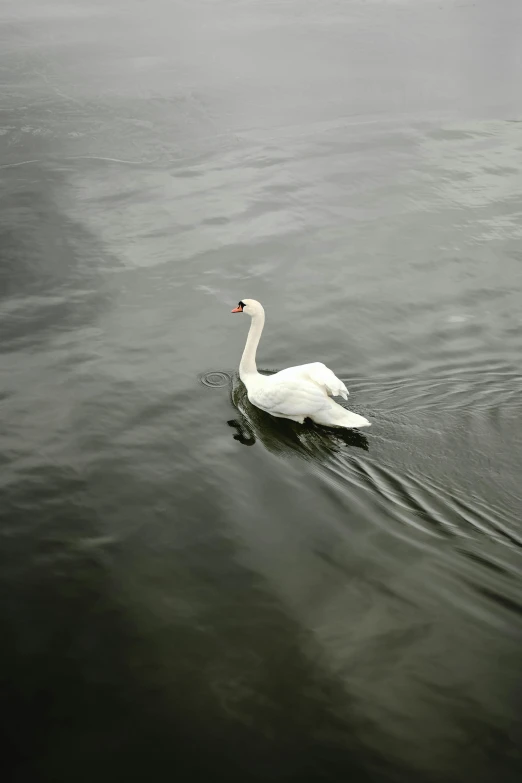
x=298 y=392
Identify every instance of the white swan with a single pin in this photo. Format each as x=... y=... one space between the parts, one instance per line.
x=296 y=393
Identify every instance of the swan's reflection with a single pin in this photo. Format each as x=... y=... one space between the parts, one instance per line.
x=281 y=436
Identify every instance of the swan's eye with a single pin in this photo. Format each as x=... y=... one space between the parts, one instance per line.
x=241 y=305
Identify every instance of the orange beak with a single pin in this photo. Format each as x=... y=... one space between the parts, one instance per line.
x=237 y=310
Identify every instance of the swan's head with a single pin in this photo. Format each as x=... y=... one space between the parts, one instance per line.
x=249 y=306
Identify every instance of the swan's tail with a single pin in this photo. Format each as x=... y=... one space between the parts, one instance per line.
x=337 y=416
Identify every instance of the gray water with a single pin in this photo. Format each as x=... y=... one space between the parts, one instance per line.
x=190 y=589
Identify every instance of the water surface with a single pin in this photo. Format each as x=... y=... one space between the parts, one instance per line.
x=186 y=583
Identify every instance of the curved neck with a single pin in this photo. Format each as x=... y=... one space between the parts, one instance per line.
x=247 y=365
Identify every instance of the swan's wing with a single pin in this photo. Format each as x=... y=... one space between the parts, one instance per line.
x=319 y=374
x=324 y=377
x=298 y=397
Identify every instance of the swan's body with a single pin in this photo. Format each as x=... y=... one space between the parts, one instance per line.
x=296 y=393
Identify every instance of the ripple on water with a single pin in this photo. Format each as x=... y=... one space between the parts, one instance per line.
x=216 y=379
x=443 y=454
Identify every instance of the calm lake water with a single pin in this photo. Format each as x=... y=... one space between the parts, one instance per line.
x=190 y=589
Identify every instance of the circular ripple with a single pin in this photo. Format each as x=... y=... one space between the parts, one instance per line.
x=216 y=379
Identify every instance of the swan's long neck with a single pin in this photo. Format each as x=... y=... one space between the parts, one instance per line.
x=247 y=365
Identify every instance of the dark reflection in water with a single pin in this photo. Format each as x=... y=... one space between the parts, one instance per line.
x=279 y=435
x=323 y=605
x=81 y=671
